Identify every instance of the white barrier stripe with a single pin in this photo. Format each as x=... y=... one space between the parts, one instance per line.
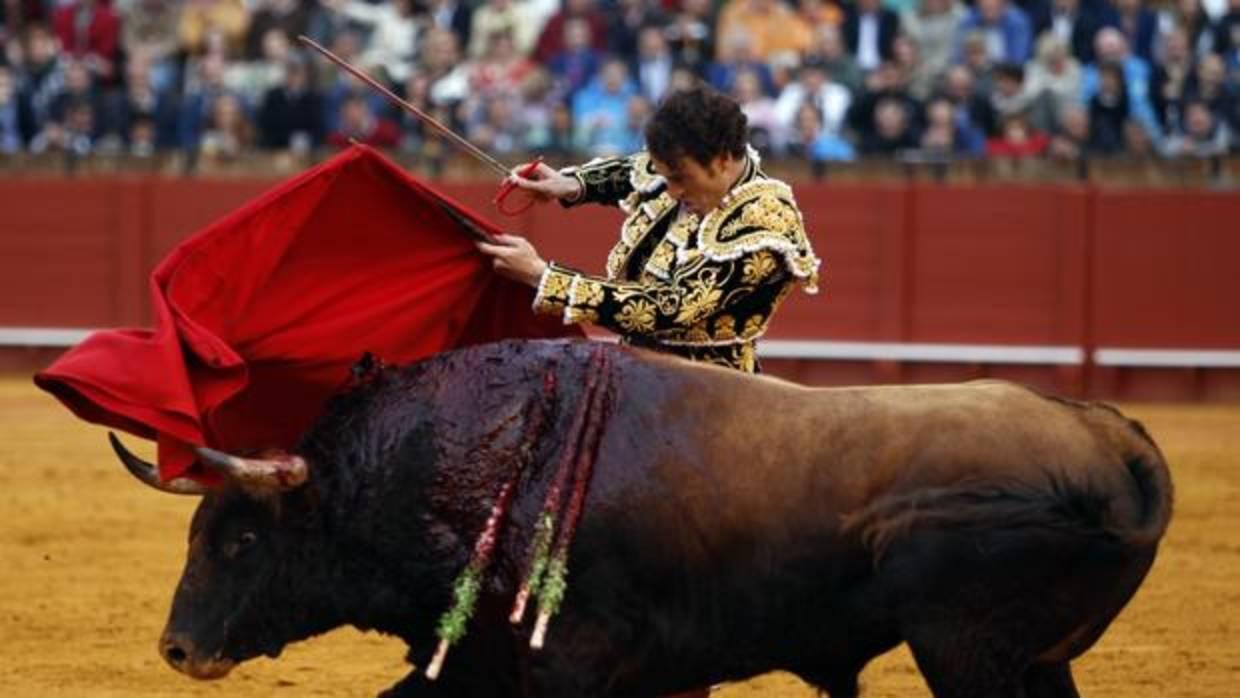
x=902 y=351
x=842 y=351
x=41 y=336
x=1205 y=358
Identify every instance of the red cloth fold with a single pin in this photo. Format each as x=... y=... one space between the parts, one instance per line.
x=259 y=317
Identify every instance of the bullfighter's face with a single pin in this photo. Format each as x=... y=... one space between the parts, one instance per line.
x=700 y=187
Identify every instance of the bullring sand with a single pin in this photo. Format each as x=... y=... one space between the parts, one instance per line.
x=89 y=560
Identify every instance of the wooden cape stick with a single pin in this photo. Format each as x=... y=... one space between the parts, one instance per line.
x=451 y=135
x=505 y=189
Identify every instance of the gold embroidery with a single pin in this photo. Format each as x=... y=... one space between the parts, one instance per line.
x=553 y=291
x=701 y=301
x=753 y=326
x=616 y=259
x=725 y=328
x=681 y=228
x=768 y=213
x=557 y=284
x=587 y=292
x=687 y=257
x=635 y=229
x=747 y=359
x=642 y=175
x=760 y=215
x=660 y=262
x=740 y=357
x=574 y=315
x=759 y=266
x=603 y=179
x=669 y=302
x=637 y=316
x=677 y=236
x=697 y=333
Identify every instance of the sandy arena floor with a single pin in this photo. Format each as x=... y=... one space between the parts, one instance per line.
x=89 y=559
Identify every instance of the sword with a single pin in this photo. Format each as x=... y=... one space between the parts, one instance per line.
x=431 y=121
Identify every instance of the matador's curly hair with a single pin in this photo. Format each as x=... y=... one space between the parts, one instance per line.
x=699 y=123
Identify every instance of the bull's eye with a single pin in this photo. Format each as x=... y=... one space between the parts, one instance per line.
x=243 y=541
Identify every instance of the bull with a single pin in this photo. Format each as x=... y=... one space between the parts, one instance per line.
x=734 y=525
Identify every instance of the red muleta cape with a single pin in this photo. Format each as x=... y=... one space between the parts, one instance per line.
x=259 y=317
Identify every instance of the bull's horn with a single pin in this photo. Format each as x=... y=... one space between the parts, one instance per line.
x=149 y=474
x=270 y=474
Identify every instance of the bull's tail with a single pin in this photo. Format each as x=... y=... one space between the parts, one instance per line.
x=1065 y=507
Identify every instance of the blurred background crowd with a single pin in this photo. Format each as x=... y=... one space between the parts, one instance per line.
x=819 y=80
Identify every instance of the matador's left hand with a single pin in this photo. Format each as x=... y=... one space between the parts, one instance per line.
x=515 y=258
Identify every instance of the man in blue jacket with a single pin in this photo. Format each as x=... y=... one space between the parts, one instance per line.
x=1008 y=32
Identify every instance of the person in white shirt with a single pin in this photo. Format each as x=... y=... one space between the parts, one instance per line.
x=522 y=20
x=813 y=84
x=394 y=34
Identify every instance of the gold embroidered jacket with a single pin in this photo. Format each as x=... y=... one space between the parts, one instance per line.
x=700 y=287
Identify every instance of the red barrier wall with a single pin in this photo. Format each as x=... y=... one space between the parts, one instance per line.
x=1167 y=270
x=1038 y=265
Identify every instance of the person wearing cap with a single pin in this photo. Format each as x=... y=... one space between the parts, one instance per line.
x=710 y=247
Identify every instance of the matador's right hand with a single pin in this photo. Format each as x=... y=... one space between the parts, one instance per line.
x=546 y=183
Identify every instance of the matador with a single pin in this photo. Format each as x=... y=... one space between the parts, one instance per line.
x=709 y=249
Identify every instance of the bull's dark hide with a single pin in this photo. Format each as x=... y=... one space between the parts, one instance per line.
x=734 y=525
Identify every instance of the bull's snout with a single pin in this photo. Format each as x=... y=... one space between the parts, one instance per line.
x=178 y=650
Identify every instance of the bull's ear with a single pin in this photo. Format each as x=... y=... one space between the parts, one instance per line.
x=278 y=472
x=148 y=474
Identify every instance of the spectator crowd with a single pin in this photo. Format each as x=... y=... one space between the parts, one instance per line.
x=818 y=80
